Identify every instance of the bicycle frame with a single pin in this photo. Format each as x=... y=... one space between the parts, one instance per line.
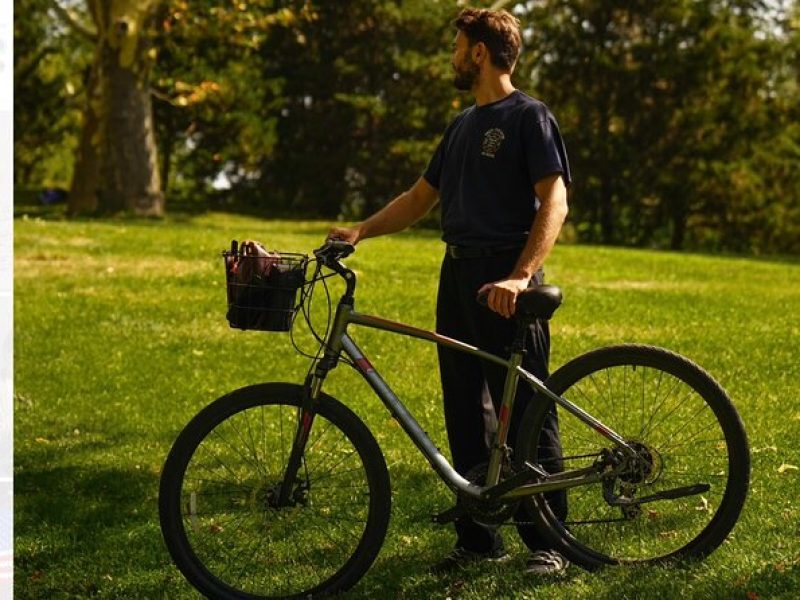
x=517 y=486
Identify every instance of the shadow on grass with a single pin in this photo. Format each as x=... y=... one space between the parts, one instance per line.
x=79 y=530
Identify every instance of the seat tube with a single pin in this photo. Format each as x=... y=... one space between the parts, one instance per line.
x=499 y=447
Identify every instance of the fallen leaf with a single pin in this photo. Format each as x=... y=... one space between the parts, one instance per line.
x=669 y=534
x=787 y=467
x=751 y=596
x=41 y=440
x=197 y=352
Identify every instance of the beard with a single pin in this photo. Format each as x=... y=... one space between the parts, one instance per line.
x=466 y=75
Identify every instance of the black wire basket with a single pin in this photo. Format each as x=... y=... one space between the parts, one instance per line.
x=262 y=290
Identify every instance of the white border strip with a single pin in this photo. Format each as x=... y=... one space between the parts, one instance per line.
x=6 y=299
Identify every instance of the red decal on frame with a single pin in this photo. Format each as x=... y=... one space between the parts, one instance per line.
x=363 y=364
x=306 y=422
x=503 y=414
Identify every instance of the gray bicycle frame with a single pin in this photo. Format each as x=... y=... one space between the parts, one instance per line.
x=339 y=341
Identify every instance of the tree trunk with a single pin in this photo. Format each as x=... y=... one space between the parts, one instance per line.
x=86 y=172
x=117 y=163
x=607 y=225
x=678 y=217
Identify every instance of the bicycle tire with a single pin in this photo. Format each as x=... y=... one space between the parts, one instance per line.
x=712 y=448
x=214 y=498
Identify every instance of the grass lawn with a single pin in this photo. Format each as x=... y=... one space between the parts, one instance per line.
x=120 y=338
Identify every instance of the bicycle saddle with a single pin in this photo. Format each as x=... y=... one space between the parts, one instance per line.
x=538 y=302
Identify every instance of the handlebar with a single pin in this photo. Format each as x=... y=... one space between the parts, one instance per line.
x=332 y=251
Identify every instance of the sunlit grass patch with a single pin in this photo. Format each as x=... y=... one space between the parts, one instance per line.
x=120 y=338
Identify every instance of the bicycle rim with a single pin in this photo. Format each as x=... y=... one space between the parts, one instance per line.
x=231 y=539
x=688 y=434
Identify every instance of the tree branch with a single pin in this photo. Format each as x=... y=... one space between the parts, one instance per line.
x=27 y=65
x=72 y=21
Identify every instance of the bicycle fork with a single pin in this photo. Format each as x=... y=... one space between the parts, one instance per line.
x=311 y=390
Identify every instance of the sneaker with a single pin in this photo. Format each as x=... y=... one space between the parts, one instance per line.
x=546 y=562
x=461 y=558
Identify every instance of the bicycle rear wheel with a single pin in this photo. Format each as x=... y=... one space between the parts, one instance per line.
x=687 y=433
x=218 y=498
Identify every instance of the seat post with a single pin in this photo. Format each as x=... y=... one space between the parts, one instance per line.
x=518 y=345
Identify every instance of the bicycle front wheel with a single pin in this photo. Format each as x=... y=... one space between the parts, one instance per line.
x=688 y=484
x=218 y=499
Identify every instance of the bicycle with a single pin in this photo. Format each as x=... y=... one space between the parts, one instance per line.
x=279 y=490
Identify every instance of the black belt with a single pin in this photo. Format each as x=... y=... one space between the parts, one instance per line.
x=459 y=252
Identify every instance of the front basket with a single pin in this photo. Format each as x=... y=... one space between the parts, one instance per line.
x=262 y=290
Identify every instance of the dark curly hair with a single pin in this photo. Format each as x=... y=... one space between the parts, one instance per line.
x=497 y=29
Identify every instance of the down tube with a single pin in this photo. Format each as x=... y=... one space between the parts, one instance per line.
x=439 y=463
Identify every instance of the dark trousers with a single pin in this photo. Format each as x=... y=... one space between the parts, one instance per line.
x=473 y=389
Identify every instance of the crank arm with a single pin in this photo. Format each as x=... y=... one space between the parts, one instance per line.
x=450 y=515
x=673 y=494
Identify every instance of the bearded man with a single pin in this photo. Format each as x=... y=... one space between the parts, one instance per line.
x=501 y=174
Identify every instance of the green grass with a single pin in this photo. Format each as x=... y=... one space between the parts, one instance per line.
x=120 y=338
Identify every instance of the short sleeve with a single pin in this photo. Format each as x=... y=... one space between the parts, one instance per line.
x=545 y=153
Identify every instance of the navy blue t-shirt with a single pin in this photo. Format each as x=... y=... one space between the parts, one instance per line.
x=485 y=168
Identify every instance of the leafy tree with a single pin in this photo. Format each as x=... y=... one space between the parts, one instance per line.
x=47 y=82
x=666 y=107
x=116 y=162
x=216 y=108
x=366 y=97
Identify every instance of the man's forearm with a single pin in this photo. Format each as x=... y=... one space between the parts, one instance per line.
x=395 y=216
x=405 y=210
x=543 y=235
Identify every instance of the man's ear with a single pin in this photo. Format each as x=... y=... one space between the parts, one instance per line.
x=479 y=53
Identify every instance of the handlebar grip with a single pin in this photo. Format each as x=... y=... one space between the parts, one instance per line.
x=334 y=250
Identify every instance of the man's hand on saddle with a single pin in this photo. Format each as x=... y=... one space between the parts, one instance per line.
x=502 y=295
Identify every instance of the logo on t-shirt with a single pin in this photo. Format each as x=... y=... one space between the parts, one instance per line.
x=491 y=142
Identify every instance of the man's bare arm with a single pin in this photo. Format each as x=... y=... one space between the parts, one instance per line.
x=552 y=194
x=405 y=210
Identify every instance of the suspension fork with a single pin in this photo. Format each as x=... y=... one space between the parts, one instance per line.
x=311 y=390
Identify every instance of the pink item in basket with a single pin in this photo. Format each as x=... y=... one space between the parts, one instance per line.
x=256 y=260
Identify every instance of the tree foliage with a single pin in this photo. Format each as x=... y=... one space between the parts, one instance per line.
x=48 y=74
x=681 y=117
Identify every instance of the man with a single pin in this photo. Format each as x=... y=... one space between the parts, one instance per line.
x=501 y=173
